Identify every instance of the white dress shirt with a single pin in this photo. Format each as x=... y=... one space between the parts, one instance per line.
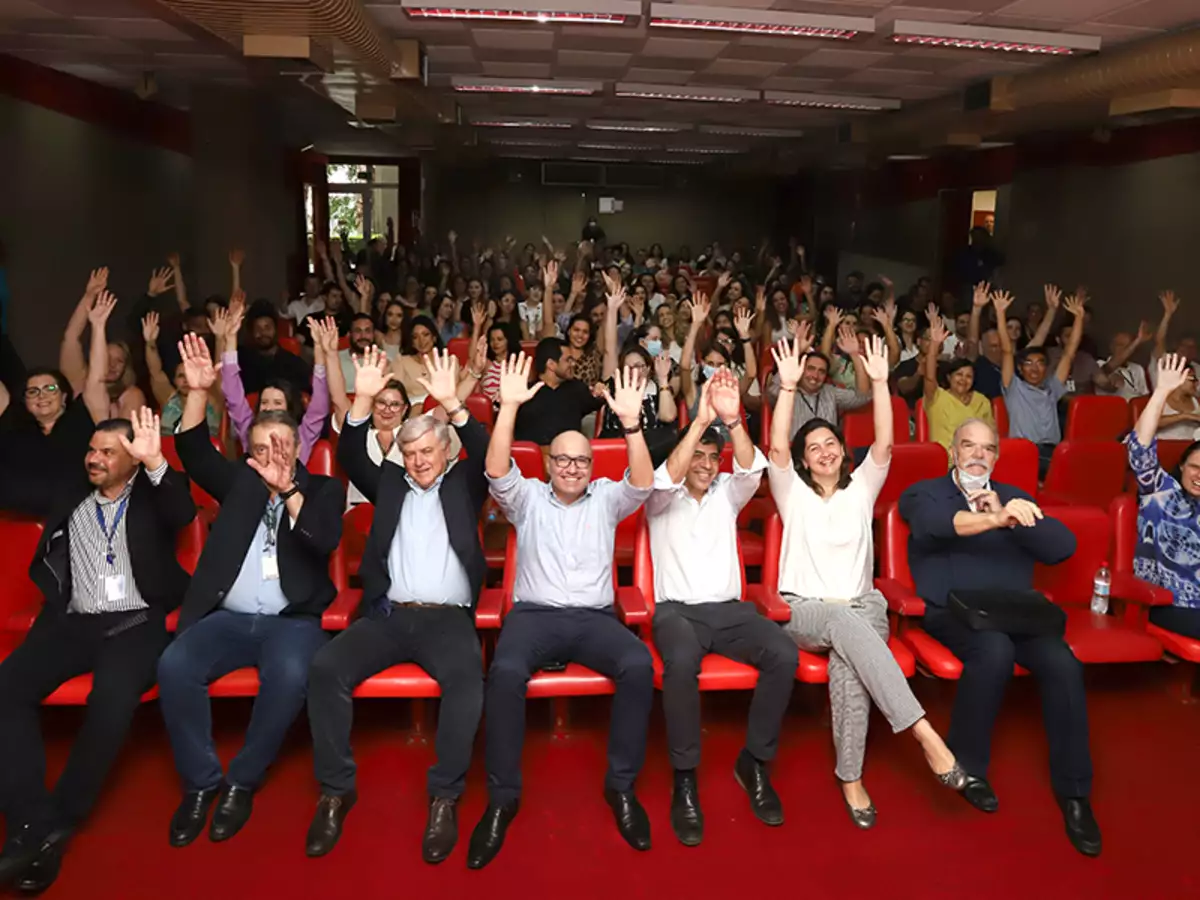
x=694 y=543
x=422 y=565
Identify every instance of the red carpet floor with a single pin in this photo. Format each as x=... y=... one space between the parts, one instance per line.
x=928 y=842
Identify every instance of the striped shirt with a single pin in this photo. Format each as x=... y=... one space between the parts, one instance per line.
x=89 y=549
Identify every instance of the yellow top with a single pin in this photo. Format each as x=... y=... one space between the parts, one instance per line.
x=947 y=412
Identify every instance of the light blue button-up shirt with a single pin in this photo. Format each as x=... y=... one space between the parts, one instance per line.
x=565 y=552
x=251 y=593
x=422 y=565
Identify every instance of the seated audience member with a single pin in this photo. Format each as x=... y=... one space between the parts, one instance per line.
x=498 y=351
x=562 y=401
x=1030 y=394
x=692 y=516
x=984 y=349
x=908 y=377
x=106 y=567
x=659 y=412
x=563 y=603
x=948 y=407
x=389 y=331
x=1185 y=346
x=445 y=317
x=309 y=303
x=971 y=533
x=815 y=397
x=119 y=377
x=256 y=600
x=825 y=570
x=171 y=393
x=422 y=571
x=276 y=396
x=1179 y=418
x=1167 y=512
x=263 y=360
x=1122 y=377
x=582 y=340
x=362 y=338
x=408 y=367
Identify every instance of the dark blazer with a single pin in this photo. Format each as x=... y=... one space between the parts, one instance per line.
x=303 y=550
x=154 y=518
x=463 y=493
x=1002 y=559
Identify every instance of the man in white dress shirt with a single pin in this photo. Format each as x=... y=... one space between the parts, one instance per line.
x=697 y=588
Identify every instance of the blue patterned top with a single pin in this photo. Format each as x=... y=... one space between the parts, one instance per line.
x=1168 y=546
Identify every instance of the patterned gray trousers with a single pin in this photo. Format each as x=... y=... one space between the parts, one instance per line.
x=861 y=669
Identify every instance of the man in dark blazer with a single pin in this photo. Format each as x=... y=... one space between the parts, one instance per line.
x=421 y=572
x=256 y=599
x=971 y=533
x=106 y=566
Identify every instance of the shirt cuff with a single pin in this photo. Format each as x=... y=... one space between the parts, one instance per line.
x=157 y=475
x=663 y=482
x=758 y=464
x=353 y=422
x=509 y=478
x=318 y=370
x=229 y=357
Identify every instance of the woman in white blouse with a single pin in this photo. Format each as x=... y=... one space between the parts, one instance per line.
x=825 y=575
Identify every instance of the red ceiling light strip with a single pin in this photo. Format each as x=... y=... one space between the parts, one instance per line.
x=1004 y=40
x=757 y=28
x=977 y=44
x=550 y=17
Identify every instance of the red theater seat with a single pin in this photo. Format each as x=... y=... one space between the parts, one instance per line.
x=1000 y=414
x=1137 y=406
x=1096 y=417
x=922 y=421
x=320 y=461
x=610 y=459
x=910 y=463
x=858 y=426
x=1170 y=454
x=460 y=347
x=204 y=503
x=1017 y=465
x=290 y=343
x=20 y=598
x=1085 y=473
x=356 y=525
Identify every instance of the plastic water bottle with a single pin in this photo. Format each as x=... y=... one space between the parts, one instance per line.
x=1101 y=585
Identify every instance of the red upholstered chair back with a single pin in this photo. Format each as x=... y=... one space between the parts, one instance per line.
x=893 y=548
x=1070 y=582
x=922 y=421
x=772 y=541
x=356 y=525
x=460 y=347
x=1097 y=418
x=1088 y=473
x=320 y=461
x=643 y=564
x=1018 y=465
x=858 y=426
x=1123 y=512
x=1000 y=414
x=188 y=544
x=19 y=538
x=764 y=418
x=529 y=348
x=481 y=410
x=290 y=343
x=1137 y=406
x=610 y=459
x=1170 y=454
x=529 y=459
x=344 y=342
x=911 y=463
x=171 y=455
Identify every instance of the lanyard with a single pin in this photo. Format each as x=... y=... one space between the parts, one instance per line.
x=271 y=521
x=812 y=407
x=110 y=557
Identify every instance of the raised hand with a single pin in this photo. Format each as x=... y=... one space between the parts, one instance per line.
x=760 y=299
x=937 y=333
x=279 y=473
x=365 y=289
x=881 y=316
x=101 y=309
x=932 y=313
x=611 y=285
x=724 y=396
x=700 y=307
x=625 y=400
x=1075 y=304
x=98 y=281
x=320 y=249
x=875 y=359
x=161 y=281
x=198 y=368
x=1052 y=295
x=146 y=446
x=578 y=283
x=550 y=275
x=662 y=369
x=371 y=372
x=150 y=327
x=1018 y=512
x=335 y=251
x=479 y=358
x=1168 y=299
x=833 y=317
x=742 y=318
x=1172 y=372
x=441 y=381
x=803 y=335
x=515 y=388
x=847 y=339
x=173 y=259
x=1144 y=333
x=237 y=256
x=1002 y=300
x=980 y=298
x=723 y=279
x=806 y=285
x=789 y=361
x=479 y=315
x=452 y=237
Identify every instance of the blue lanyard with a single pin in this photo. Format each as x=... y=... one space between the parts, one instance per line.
x=110 y=557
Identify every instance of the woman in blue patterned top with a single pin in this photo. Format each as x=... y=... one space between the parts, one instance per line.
x=1168 y=547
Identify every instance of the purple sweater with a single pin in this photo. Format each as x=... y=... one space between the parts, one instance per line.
x=241 y=415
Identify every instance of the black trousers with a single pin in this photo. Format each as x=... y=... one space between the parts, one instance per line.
x=58 y=648
x=443 y=642
x=988 y=658
x=535 y=635
x=684 y=633
x=1179 y=619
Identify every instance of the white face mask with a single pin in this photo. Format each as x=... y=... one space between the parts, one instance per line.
x=970 y=482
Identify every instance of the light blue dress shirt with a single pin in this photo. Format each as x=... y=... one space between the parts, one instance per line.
x=422 y=565
x=251 y=593
x=1033 y=411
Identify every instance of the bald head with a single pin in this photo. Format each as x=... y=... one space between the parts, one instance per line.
x=572 y=443
x=570 y=465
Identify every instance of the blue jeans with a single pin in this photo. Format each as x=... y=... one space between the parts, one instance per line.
x=280 y=647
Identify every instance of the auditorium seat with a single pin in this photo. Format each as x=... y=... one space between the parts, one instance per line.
x=858 y=425
x=1170 y=454
x=1085 y=473
x=461 y=348
x=20 y=598
x=356 y=525
x=610 y=459
x=1096 y=417
x=290 y=343
x=1124 y=514
x=910 y=463
x=481 y=409
x=1000 y=415
x=1017 y=465
x=320 y=461
x=717 y=673
x=1137 y=406
x=922 y=421
x=206 y=506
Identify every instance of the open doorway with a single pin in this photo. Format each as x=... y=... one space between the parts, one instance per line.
x=983 y=211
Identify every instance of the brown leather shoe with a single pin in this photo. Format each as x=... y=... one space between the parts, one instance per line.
x=327 y=821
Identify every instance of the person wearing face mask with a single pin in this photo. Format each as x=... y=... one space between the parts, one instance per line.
x=563 y=603
x=1161 y=497
x=970 y=533
x=256 y=599
x=825 y=574
x=948 y=407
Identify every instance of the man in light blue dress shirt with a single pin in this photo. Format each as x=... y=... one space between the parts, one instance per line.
x=563 y=602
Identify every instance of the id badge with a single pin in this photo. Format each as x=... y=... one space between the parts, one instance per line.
x=114 y=588
x=270 y=568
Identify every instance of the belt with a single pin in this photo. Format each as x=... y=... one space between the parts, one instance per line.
x=427 y=605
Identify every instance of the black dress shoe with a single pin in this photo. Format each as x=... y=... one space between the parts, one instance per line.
x=488 y=836
x=327 y=821
x=191 y=816
x=20 y=850
x=1081 y=825
x=233 y=811
x=632 y=821
x=441 y=831
x=687 y=820
x=752 y=776
x=43 y=871
x=980 y=794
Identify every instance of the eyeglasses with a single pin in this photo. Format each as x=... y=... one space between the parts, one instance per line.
x=563 y=461
x=394 y=406
x=48 y=389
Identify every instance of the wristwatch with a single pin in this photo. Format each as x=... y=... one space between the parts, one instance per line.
x=294 y=489
x=734 y=424
x=462 y=407
x=634 y=430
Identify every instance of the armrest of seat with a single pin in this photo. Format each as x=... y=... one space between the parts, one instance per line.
x=901 y=599
x=770 y=603
x=338 y=614
x=1127 y=586
x=489 y=611
x=631 y=606
x=172 y=622
x=21 y=620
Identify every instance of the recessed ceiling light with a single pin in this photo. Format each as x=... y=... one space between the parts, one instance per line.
x=532 y=122
x=642 y=127
x=906 y=157
x=621 y=148
x=1009 y=40
x=758 y=21
x=466 y=84
x=830 y=101
x=546 y=12
x=751 y=131
x=683 y=92
x=506 y=142
x=678 y=161
x=707 y=151
x=600 y=159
